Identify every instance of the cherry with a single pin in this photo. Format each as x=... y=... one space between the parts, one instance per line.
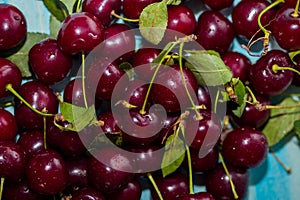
x=204 y=97
x=107 y=178
x=245 y=147
x=171 y=186
x=38 y=96
x=32 y=142
x=87 y=193
x=196 y=196
x=133 y=8
x=12 y=161
x=47 y=172
x=8 y=126
x=264 y=80
x=296 y=80
x=79 y=32
x=77 y=169
x=214 y=31
x=13 y=27
x=48 y=62
x=9 y=74
x=245 y=15
x=217 y=182
x=102 y=9
x=238 y=63
x=131 y=191
x=169 y=91
x=167 y=128
x=286 y=29
x=218 y=5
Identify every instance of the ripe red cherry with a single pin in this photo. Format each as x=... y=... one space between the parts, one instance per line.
x=196 y=196
x=131 y=191
x=218 y=5
x=102 y=9
x=48 y=62
x=245 y=147
x=77 y=169
x=87 y=193
x=32 y=142
x=79 y=32
x=9 y=73
x=8 y=126
x=132 y=9
x=204 y=97
x=13 y=27
x=286 y=29
x=214 y=31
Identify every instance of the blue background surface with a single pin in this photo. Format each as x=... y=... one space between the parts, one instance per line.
x=269 y=181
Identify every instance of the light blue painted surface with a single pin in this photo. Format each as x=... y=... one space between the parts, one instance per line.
x=268 y=181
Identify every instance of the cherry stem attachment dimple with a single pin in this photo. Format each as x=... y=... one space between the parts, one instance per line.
x=1 y=187
x=150 y=177
x=276 y=68
x=83 y=79
x=113 y=13
x=12 y=90
x=295 y=14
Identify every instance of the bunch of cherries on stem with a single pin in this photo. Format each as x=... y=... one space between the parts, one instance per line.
x=40 y=158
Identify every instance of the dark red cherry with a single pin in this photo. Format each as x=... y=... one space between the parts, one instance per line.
x=110 y=123
x=245 y=147
x=238 y=63
x=245 y=14
x=77 y=169
x=131 y=191
x=286 y=29
x=218 y=5
x=214 y=31
x=217 y=182
x=8 y=126
x=9 y=73
x=32 y=142
x=296 y=80
x=47 y=172
x=264 y=80
x=167 y=128
x=12 y=161
x=204 y=97
x=132 y=9
x=38 y=96
x=79 y=32
x=102 y=9
x=87 y=193
x=48 y=62
x=13 y=26
x=196 y=196
x=171 y=186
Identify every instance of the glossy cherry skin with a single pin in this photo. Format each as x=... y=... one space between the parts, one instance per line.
x=47 y=172
x=238 y=63
x=48 y=62
x=102 y=9
x=218 y=5
x=286 y=29
x=203 y=97
x=12 y=161
x=109 y=178
x=132 y=9
x=13 y=26
x=245 y=147
x=217 y=182
x=264 y=80
x=168 y=83
x=8 y=126
x=87 y=193
x=196 y=196
x=171 y=186
x=9 y=73
x=79 y=32
x=32 y=142
x=131 y=191
x=77 y=169
x=38 y=96
x=251 y=116
x=245 y=14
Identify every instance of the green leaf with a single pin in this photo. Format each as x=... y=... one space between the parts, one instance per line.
x=54 y=26
x=106 y=138
x=78 y=117
x=57 y=9
x=240 y=92
x=161 y=56
x=239 y=110
x=127 y=67
x=281 y=121
x=208 y=68
x=293 y=54
x=153 y=22
x=173 y=156
x=173 y=2
x=20 y=58
x=69 y=4
x=297 y=128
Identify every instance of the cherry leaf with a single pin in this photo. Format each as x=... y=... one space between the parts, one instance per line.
x=174 y=154
x=54 y=26
x=128 y=69
x=162 y=55
x=281 y=121
x=20 y=58
x=297 y=127
x=106 y=138
x=174 y=2
x=57 y=8
x=153 y=22
x=240 y=92
x=208 y=68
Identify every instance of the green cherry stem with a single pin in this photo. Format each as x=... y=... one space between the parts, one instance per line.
x=188 y=154
x=12 y=90
x=150 y=177
x=1 y=187
x=293 y=54
x=45 y=131
x=295 y=14
x=276 y=68
x=113 y=13
x=254 y=100
x=78 y=4
x=235 y=195
x=83 y=79
x=6 y=104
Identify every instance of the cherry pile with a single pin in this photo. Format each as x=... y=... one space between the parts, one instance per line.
x=53 y=147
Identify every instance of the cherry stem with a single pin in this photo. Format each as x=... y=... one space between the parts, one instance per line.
x=78 y=5
x=150 y=177
x=276 y=68
x=188 y=154
x=229 y=177
x=199 y=117
x=83 y=79
x=6 y=104
x=295 y=13
x=254 y=100
x=125 y=104
x=1 y=187
x=293 y=54
x=287 y=169
x=45 y=132
x=113 y=13
x=12 y=90
x=216 y=101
